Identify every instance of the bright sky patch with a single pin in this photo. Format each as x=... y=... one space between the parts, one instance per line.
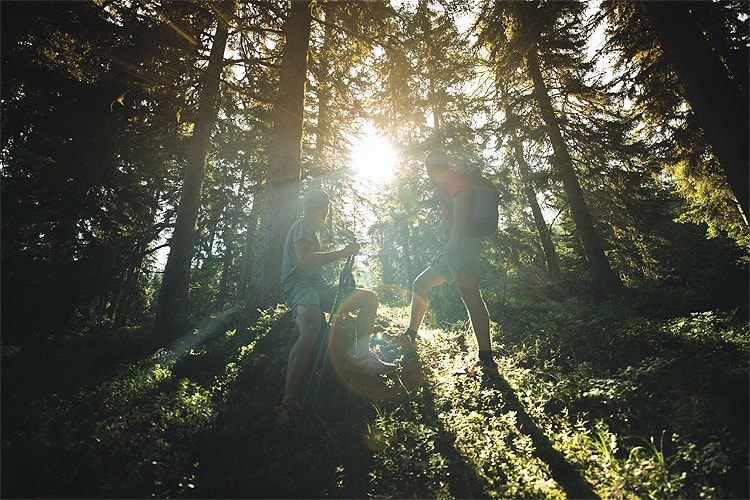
x=373 y=159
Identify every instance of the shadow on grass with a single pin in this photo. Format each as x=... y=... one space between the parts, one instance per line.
x=563 y=472
x=465 y=482
x=247 y=453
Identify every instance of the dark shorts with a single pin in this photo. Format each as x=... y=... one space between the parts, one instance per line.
x=467 y=257
x=306 y=294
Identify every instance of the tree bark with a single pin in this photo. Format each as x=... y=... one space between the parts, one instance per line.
x=172 y=309
x=405 y=243
x=282 y=192
x=226 y=267
x=553 y=263
x=323 y=134
x=604 y=281
x=718 y=101
x=248 y=255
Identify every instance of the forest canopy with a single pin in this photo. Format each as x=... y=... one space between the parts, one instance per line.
x=134 y=131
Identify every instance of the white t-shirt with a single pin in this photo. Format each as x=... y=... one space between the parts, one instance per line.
x=291 y=273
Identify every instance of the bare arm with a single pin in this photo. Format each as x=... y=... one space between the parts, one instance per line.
x=308 y=259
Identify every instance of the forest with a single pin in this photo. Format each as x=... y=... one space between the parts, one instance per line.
x=155 y=153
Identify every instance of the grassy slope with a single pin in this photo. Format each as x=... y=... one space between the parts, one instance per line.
x=593 y=400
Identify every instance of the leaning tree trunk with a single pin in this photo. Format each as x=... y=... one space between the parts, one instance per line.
x=545 y=235
x=605 y=282
x=284 y=164
x=718 y=102
x=172 y=309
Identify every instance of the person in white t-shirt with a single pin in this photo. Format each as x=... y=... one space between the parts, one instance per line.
x=309 y=295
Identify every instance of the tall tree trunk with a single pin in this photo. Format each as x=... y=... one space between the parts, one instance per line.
x=223 y=293
x=323 y=134
x=604 y=281
x=172 y=309
x=553 y=263
x=718 y=101
x=124 y=299
x=248 y=255
x=282 y=192
x=405 y=232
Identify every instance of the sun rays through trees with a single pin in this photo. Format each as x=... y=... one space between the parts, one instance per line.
x=154 y=155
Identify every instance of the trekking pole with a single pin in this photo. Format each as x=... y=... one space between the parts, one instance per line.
x=346 y=284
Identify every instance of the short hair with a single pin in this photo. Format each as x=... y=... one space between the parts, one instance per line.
x=437 y=159
x=315 y=199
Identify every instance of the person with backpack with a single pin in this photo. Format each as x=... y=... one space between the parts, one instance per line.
x=466 y=207
x=309 y=295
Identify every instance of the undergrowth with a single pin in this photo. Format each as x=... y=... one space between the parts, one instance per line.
x=593 y=400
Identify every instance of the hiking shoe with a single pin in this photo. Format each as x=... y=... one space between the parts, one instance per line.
x=288 y=411
x=472 y=368
x=403 y=340
x=370 y=364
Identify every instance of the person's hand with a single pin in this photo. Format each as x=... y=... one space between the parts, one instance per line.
x=352 y=248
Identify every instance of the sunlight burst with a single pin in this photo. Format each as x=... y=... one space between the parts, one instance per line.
x=374 y=159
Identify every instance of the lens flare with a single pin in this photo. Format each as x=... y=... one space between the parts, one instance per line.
x=397 y=384
x=374 y=159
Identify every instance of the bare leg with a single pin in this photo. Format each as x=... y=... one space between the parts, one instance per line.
x=468 y=287
x=309 y=324
x=366 y=302
x=428 y=279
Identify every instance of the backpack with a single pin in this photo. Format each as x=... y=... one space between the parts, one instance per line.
x=484 y=207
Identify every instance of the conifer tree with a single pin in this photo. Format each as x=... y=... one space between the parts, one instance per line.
x=172 y=311
x=652 y=75
x=98 y=87
x=526 y=39
x=715 y=97
x=281 y=196
x=545 y=235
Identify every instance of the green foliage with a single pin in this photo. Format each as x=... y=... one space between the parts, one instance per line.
x=407 y=433
x=613 y=399
x=646 y=396
x=646 y=377
x=100 y=100
x=709 y=201
x=85 y=158
x=675 y=136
